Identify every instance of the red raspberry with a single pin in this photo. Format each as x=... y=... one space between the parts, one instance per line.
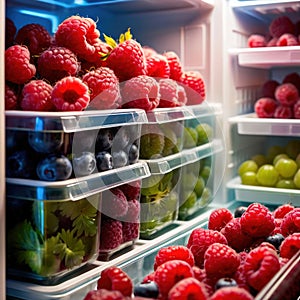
x=200 y=239
x=104 y=88
x=265 y=107
x=287 y=39
x=36 y=96
x=200 y=275
x=194 y=87
x=133 y=212
x=35 y=37
x=236 y=238
x=56 y=63
x=291 y=222
x=188 y=288
x=168 y=89
x=182 y=97
x=18 y=68
x=272 y=42
x=282 y=210
x=256 y=40
x=261 y=264
x=283 y=112
x=268 y=89
x=10 y=32
x=169 y=273
x=293 y=78
x=132 y=190
x=79 y=34
x=115 y=279
x=290 y=245
x=103 y=295
x=11 y=98
x=95 y=59
x=219 y=218
x=176 y=68
x=70 y=94
x=131 y=231
x=220 y=261
x=140 y=92
x=111 y=235
x=114 y=203
x=257 y=221
x=174 y=252
x=281 y=25
x=157 y=66
x=296 y=110
x=231 y=293
x=149 y=51
x=149 y=277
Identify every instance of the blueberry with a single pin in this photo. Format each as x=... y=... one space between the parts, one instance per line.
x=54 y=167
x=147 y=290
x=120 y=159
x=275 y=240
x=45 y=142
x=239 y=211
x=122 y=138
x=84 y=141
x=15 y=140
x=104 y=139
x=84 y=164
x=133 y=154
x=104 y=161
x=20 y=164
x=225 y=282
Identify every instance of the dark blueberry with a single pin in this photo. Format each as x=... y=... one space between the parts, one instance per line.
x=104 y=161
x=275 y=240
x=122 y=138
x=104 y=139
x=15 y=140
x=120 y=159
x=84 y=141
x=225 y=282
x=133 y=154
x=20 y=164
x=147 y=290
x=84 y=164
x=239 y=211
x=45 y=142
x=54 y=167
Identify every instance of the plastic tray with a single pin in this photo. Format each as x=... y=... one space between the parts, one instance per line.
x=251 y=124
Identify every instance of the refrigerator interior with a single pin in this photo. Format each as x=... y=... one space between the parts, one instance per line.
x=191 y=28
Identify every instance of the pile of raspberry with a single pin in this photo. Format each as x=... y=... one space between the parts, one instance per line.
x=235 y=257
x=282 y=32
x=76 y=69
x=280 y=100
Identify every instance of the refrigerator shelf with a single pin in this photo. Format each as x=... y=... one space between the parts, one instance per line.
x=273 y=196
x=251 y=124
x=267 y=57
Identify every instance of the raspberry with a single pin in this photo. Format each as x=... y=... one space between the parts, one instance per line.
x=293 y=78
x=130 y=231
x=114 y=203
x=290 y=246
x=11 y=98
x=283 y=112
x=35 y=37
x=140 y=92
x=194 y=87
x=133 y=212
x=200 y=239
x=176 y=68
x=104 y=87
x=103 y=295
x=115 y=279
x=281 y=25
x=257 y=221
x=219 y=218
x=265 y=107
x=188 y=288
x=261 y=264
x=236 y=238
x=132 y=190
x=282 y=210
x=157 y=66
x=268 y=89
x=36 y=96
x=56 y=63
x=168 y=89
x=272 y=42
x=10 y=32
x=291 y=222
x=296 y=110
x=149 y=51
x=256 y=40
x=287 y=39
x=169 y=273
x=18 y=68
x=174 y=252
x=79 y=34
x=231 y=293
x=111 y=235
x=220 y=260
x=149 y=277
x=182 y=97
x=70 y=94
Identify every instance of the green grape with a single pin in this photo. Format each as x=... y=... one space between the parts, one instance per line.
x=190 y=137
x=285 y=184
x=199 y=187
x=267 y=175
x=296 y=179
x=286 y=167
x=205 y=172
x=277 y=157
x=249 y=178
x=260 y=159
x=189 y=202
x=273 y=151
x=297 y=160
x=292 y=148
x=205 y=133
x=246 y=166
